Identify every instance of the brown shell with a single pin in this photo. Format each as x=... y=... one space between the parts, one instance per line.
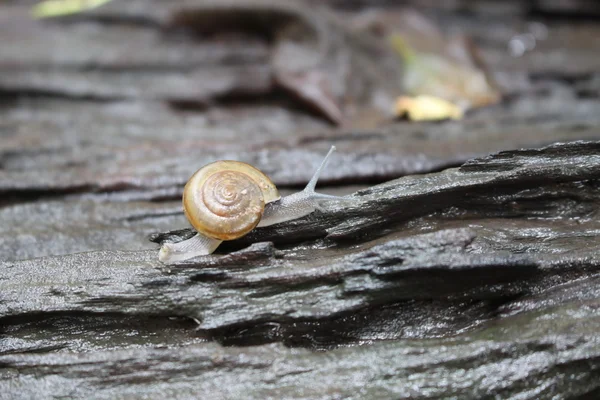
x=225 y=200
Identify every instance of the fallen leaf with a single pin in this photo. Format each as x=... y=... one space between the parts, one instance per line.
x=445 y=77
x=56 y=8
x=427 y=108
x=435 y=64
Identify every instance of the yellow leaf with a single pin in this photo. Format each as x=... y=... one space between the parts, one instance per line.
x=426 y=108
x=401 y=47
x=445 y=68
x=55 y=8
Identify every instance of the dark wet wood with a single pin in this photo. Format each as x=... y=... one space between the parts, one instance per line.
x=478 y=277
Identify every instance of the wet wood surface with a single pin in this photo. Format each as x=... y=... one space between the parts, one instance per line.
x=464 y=264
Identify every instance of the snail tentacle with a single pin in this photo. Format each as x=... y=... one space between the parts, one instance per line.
x=198 y=245
x=312 y=184
x=299 y=204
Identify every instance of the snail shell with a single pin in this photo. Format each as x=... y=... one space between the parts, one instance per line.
x=226 y=199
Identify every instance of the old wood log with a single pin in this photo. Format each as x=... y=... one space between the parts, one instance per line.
x=418 y=258
x=477 y=278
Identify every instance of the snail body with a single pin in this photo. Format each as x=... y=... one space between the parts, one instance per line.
x=226 y=199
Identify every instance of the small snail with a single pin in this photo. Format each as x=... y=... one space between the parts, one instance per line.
x=225 y=200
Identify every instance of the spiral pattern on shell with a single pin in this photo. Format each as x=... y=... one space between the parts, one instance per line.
x=225 y=200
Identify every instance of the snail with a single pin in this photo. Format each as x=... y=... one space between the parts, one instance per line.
x=226 y=199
